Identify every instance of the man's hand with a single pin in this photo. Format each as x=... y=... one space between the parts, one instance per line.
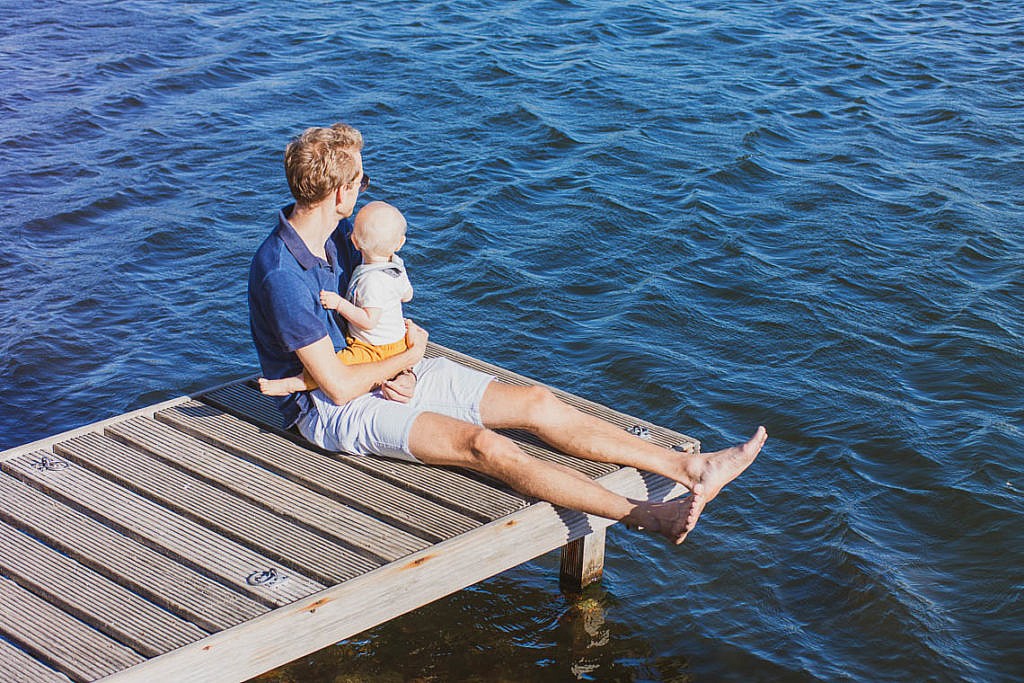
x=415 y=338
x=329 y=300
x=400 y=388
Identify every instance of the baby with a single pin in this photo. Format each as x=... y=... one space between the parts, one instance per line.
x=373 y=304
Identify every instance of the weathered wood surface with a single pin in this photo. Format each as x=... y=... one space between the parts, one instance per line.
x=583 y=561
x=59 y=639
x=196 y=540
x=192 y=596
x=15 y=665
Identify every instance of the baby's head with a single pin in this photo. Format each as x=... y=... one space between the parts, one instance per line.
x=379 y=230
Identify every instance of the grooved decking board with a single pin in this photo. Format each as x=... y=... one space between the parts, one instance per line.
x=104 y=605
x=532 y=445
x=352 y=607
x=177 y=588
x=277 y=538
x=70 y=646
x=342 y=478
x=143 y=529
x=437 y=514
x=16 y=665
x=254 y=406
x=159 y=528
x=657 y=434
x=484 y=500
x=286 y=497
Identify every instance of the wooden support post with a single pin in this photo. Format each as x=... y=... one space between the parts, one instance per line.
x=583 y=561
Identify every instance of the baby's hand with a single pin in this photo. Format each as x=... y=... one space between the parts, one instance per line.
x=329 y=300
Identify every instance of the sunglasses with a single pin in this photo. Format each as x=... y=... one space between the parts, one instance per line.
x=364 y=183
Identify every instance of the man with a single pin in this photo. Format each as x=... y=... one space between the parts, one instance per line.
x=440 y=412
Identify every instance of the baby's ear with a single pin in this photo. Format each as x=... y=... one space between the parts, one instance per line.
x=401 y=243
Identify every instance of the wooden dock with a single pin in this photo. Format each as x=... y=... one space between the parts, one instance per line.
x=196 y=541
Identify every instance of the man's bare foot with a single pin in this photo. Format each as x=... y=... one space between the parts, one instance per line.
x=281 y=387
x=673 y=519
x=715 y=470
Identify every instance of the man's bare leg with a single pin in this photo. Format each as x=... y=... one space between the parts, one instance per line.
x=537 y=410
x=440 y=440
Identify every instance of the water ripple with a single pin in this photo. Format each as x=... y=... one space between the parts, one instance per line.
x=709 y=216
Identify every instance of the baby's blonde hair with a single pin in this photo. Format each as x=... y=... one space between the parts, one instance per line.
x=379 y=229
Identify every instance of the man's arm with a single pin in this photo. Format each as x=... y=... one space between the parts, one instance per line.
x=341 y=382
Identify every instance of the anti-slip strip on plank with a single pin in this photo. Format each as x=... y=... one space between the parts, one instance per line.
x=159 y=578
x=295 y=547
x=188 y=542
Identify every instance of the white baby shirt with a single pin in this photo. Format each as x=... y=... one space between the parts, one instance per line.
x=380 y=285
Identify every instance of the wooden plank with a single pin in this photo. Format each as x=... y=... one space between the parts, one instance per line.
x=655 y=433
x=247 y=402
x=339 y=478
x=192 y=596
x=61 y=641
x=253 y=406
x=490 y=499
x=341 y=611
x=91 y=598
x=17 y=665
x=452 y=488
x=277 y=494
x=194 y=545
x=532 y=445
x=277 y=538
x=47 y=442
x=261 y=409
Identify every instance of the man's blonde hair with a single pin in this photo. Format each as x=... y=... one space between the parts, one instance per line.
x=320 y=160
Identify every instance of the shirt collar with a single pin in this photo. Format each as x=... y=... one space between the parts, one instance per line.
x=295 y=244
x=395 y=264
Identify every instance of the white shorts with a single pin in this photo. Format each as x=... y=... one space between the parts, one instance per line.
x=373 y=425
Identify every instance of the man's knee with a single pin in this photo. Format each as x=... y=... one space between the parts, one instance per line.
x=541 y=404
x=486 y=448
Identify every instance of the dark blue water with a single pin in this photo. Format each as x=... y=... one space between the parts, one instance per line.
x=711 y=215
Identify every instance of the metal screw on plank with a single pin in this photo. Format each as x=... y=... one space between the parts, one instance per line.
x=268 y=577
x=640 y=430
x=45 y=463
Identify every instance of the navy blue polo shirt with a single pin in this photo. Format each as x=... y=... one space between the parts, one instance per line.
x=285 y=313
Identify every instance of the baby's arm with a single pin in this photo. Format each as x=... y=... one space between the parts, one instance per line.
x=407 y=296
x=363 y=318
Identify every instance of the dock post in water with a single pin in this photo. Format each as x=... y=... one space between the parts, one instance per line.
x=583 y=561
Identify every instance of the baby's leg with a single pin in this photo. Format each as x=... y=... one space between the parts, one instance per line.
x=287 y=385
x=304 y=382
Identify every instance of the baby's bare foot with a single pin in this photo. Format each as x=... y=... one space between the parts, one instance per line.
x=281 y=387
